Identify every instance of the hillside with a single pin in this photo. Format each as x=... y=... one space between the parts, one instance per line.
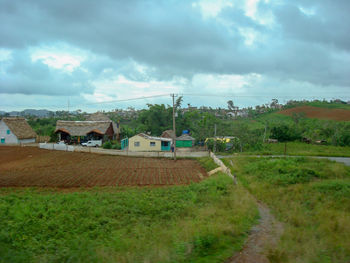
x=319 y=113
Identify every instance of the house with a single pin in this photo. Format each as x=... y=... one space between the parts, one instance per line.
x=99 y=116
x=168 y=134
x=78 y=131
x=16 y=130
x=146 y=143
x=185 y=141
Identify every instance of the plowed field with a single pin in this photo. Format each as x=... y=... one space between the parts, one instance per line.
x=320 y=113
x=29 y=166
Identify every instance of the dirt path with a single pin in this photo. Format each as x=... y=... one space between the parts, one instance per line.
x=263 y=236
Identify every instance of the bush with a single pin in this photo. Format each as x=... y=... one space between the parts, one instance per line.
x=116 y=146
x=284 y=133
x=107 y=145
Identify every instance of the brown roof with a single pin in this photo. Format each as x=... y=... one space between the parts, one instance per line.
x=168 y=134
x=19 y=127
x=82 y=128
x=99 y=116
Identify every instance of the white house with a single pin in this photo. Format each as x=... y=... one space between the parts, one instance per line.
x=16 y=130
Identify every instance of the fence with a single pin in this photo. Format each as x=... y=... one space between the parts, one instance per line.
x=69 y=148
x=54 y=146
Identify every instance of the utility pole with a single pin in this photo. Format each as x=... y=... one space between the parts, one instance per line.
x=214 y=138
x=68 y=107
x=174 y=128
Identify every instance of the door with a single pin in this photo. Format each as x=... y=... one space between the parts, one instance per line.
x=2 y=140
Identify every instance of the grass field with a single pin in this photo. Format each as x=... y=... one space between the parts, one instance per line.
x=302 y=149
x=311 y=198
x=204 y=222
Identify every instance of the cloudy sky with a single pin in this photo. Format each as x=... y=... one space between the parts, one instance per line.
x=88 y=52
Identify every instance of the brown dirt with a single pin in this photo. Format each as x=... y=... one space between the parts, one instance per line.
x=319 y=113
x=263 y=237
x=29 y=166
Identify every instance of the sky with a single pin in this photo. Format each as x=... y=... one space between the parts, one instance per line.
x=96 y=55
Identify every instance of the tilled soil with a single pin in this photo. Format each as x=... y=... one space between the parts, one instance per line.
x=30 y=166
x=319 y=113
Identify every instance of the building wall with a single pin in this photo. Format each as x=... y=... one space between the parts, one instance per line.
x=144 y=144
x=184 y=143
x=32 y=140
x=9 y=138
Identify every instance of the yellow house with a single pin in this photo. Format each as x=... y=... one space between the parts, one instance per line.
x=145 y=143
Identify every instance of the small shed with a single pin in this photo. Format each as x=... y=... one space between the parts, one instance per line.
x=185 y=141
x=145 y=143
x=16 y=130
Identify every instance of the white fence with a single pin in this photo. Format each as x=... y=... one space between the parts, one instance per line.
x=69 y=148
x=54 y=146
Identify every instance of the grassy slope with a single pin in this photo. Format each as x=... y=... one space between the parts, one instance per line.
x=204 y=222
x=302 y=149
x=312 y=199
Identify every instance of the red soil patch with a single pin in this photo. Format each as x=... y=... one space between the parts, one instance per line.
x=319 y=113
x=29 y=166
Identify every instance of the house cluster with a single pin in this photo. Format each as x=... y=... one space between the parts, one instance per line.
x=16 y=130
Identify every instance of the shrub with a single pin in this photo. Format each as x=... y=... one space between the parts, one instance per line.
x=116 y=146
x=107 y=145
x=284 y=133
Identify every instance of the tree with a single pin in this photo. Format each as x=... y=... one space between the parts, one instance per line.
x=230 y=105
x=178 y=102
x=284 y=133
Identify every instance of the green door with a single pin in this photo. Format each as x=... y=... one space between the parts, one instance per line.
x=2 y=140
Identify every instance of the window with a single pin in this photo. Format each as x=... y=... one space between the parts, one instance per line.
x=137 y=144
x=8 y=131
x=152 y=144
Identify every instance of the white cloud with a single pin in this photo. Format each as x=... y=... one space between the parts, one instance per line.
x=59 y=56
x=211 y=8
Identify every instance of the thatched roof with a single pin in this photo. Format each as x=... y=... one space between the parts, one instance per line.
x=185 y=137
x=19 y=127
x=99 y=116
x=82 y=128
x=168 y=134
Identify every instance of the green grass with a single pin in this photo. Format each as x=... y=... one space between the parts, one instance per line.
x=302 y=149
x=312 y=199
x=204 y=222
x=208 y=163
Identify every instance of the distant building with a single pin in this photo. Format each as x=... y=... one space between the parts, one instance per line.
x=78 y=131
x=168 y=134
x=146 y=143
x=16 y=130
x=99 y=116
x=185 y=141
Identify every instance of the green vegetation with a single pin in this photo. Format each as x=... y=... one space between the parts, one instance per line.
x=262 y=123
x=111 y=145
x=311 y=198
x=301 y=149
x=204 y=222
x=207 y=163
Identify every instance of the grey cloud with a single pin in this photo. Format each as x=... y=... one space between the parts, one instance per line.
x=24 y=76
x=172 y=38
